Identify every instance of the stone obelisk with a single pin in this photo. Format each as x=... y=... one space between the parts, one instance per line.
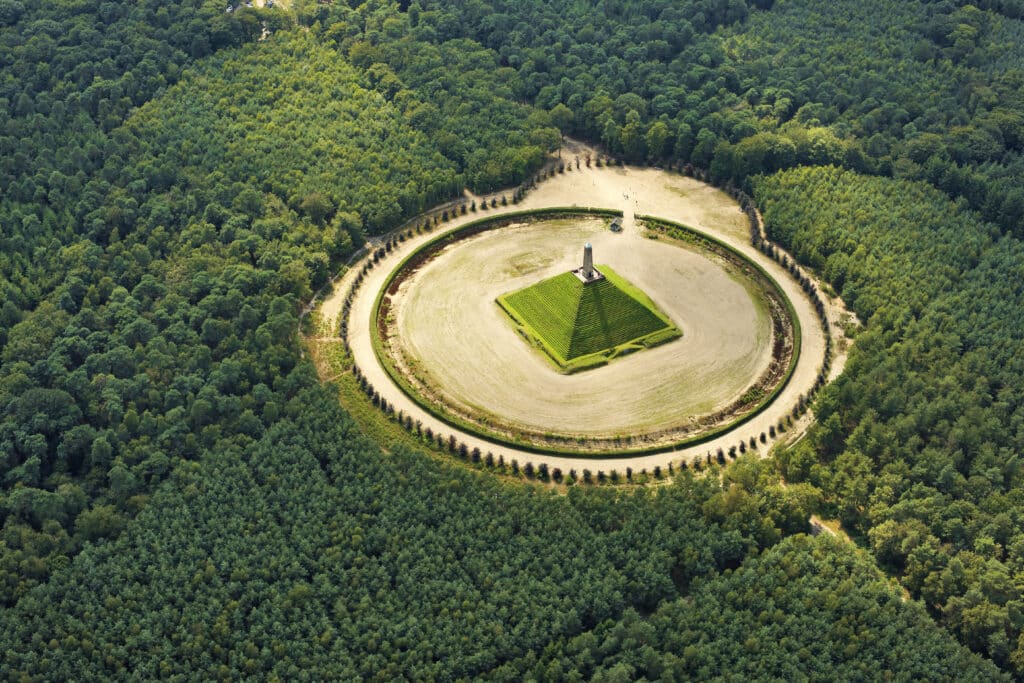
x=587 y=272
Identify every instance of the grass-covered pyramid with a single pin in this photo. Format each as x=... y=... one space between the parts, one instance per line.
x=581 y=325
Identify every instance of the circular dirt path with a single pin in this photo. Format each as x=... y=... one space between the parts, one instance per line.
x=634 y=191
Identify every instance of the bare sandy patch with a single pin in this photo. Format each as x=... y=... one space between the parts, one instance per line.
x=462 y=345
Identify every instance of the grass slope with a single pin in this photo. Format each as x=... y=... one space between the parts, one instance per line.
x=573 y=320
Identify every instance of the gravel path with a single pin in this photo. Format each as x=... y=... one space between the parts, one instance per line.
x=640 y=191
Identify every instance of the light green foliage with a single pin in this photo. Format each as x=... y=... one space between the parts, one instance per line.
x=550 y=308
x=574 y=319
x=311 y=134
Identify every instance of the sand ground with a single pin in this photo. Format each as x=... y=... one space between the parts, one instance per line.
x=448 y=320
x=635 y=191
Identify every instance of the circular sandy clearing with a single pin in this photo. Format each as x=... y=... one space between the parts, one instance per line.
x=643 y=191
x=444 y=342
x=461 y=351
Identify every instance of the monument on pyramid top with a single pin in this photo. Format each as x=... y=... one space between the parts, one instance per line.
x=587 y=273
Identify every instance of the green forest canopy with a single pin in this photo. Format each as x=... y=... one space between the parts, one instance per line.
x=180 y=496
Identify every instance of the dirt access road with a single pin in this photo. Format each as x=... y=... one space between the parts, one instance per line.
x=634 y=191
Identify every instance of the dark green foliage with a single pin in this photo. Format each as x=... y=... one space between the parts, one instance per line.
x=457 y=92
x=178 y=496
x=309 y=551
x=72 y=72
x=931 y=92
x=825 y=613
x=917 y=443
x=894 y=92
x=625 y=74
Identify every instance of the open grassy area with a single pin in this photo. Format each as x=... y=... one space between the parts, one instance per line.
x=572 y=320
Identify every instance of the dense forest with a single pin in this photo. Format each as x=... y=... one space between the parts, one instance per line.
x=867 y=634
x=918 y=443
x=914 y=90
x=180 y=497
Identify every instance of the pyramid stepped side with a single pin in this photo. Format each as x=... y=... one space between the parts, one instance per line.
x=606 y=317
x=575 y=319
x=551 y=307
